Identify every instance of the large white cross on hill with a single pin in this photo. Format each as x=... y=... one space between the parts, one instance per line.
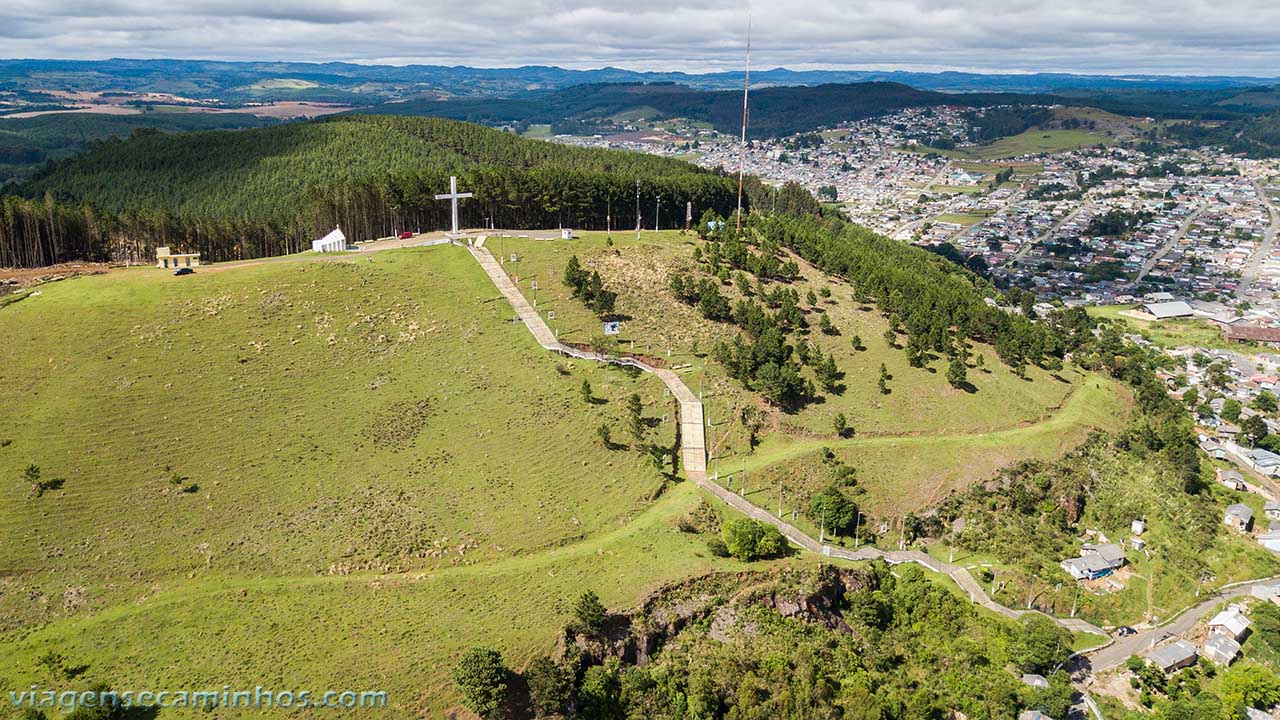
x=454 y=196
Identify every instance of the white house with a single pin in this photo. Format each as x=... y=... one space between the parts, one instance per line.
x=1230 y=622
x=333 y=242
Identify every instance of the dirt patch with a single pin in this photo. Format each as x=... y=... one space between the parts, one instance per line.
x=400 y=424
x=14 y=279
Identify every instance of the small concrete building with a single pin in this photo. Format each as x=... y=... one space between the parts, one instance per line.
x=1231 y=479
x=1239 y=517
x=167 y=259
x=1173 y=657
x=335 y=241
x=1231 y=623
x=1220 y=649
x=1271 y=509
x=1035 y=681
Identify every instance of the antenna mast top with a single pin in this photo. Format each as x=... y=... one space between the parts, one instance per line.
x=742 y=148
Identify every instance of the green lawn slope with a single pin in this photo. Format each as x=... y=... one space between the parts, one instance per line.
x=294 y=418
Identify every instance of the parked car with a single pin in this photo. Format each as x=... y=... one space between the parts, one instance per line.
x=406 y=235
x=184 y=271
x=1125 y=631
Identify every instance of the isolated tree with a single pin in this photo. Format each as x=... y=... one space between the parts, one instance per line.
x=856 y=341
x=883 y=382
x=586 y=392
x=811 y=298
x=891 y=338
x=635 y=417
x=481 y=679
x=1265 y=402
x=604 y=435
x=842 y=426
x=825 y=325
x=1255 y=429
x=1231 y=410
x=827 y=373
x=590 y=614
x=957 y=375
x=834 y=509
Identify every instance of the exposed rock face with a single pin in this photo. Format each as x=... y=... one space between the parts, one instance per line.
x=636 y=635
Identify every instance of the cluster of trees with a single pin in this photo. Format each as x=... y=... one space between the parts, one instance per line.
x=587 y=287
x=936 y=303
x=747 y=540
x=270 y=191
x=885 y=662
x=991 y=124
x=1117 y=222
x=1182 y=696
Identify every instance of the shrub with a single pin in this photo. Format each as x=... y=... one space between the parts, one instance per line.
x=481 y=678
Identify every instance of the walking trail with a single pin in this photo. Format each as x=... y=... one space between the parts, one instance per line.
x=694 y=457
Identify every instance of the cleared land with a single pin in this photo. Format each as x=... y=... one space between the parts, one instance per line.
x=1172 y=333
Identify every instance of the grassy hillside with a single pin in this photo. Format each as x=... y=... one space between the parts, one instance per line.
x=922 y=428
x=294 y=419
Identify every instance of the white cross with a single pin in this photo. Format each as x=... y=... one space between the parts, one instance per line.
x=455 y=196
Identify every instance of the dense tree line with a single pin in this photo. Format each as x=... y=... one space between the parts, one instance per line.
x=935 y=302
x=270 y=191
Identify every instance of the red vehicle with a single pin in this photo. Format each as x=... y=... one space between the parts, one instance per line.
x=406 y=235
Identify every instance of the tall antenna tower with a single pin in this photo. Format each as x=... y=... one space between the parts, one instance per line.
x=742 y=148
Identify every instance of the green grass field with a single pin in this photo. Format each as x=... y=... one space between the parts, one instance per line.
x=965 y=219
x=376 y=469
x=326 y=417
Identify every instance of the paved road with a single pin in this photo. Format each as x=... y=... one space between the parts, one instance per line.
x=1164 y=249
x=1254 y=268
x=1115 y=654
x=1026 y=246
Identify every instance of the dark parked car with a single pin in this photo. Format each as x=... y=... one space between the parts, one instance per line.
x=183 y=271
x=1125 y=631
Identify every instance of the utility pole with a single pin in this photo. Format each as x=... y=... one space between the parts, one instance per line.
x=657 y=207
x=856 y=521
x=608 y=219
x=822 y=529
x=637 y=209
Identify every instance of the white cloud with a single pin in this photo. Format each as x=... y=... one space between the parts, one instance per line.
x=1165 y=36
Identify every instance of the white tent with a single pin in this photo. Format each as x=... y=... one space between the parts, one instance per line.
x=333 y=242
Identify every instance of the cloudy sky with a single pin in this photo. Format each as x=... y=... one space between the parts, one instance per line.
x=1115 y=36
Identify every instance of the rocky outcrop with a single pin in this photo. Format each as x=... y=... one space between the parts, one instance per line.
x=635 y=636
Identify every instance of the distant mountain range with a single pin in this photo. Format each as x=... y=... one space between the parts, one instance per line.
x=369 y=84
